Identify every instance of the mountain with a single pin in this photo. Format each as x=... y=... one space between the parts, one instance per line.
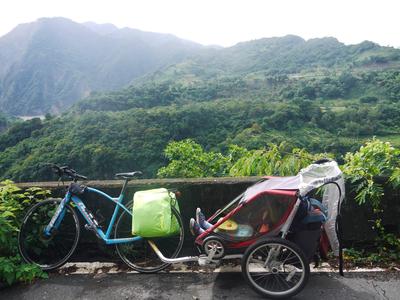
x=47 y=65
x=318 y=94
x=288 y=55
x=102 y=29
x=278 y=68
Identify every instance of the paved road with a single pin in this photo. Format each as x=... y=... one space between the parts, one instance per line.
x=199 y=286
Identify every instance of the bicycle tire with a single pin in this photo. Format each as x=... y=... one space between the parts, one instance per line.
x=275 y=273
x=139 y=255
x=41 y=250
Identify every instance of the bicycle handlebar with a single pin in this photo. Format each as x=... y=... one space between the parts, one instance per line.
x=67 y=171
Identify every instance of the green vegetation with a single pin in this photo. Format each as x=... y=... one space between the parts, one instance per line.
x=13 y=203
x=188 y=159
x=277 y=160
x=5 y=121
x=374 y=166
x=127 y=130
x=366 y=167
x=19 y=131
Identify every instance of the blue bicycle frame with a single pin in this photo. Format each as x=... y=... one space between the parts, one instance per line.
x=89 y=218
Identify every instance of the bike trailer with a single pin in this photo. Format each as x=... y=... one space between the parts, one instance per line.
x=267 y=208
x=152 y=213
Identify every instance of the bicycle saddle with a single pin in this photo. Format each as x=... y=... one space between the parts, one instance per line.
x=129 y=174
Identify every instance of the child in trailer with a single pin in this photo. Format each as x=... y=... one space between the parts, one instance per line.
x=230 y=228
x=262 y=217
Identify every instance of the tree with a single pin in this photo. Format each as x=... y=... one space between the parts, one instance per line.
x=274 y=160
x=188 y=159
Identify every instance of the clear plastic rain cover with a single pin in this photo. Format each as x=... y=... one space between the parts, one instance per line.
x=330 y=178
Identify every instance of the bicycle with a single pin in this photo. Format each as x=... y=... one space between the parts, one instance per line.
x=50 y=230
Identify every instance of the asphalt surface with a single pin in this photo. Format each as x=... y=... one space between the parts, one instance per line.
x=381 y=285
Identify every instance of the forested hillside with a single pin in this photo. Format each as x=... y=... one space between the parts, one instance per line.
x=282 y=55
x=47 y=65
x=319 y=95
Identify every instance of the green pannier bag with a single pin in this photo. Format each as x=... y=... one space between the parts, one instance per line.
x=152 y=213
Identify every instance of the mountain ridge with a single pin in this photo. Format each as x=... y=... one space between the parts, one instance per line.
x=47 y=65
x=318 y=94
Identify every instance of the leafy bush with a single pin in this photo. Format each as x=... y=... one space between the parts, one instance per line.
x=375 y=160
x=13 y=203
x=13 y=269
x=188 y=159
x=275 y=160
x=371 y=168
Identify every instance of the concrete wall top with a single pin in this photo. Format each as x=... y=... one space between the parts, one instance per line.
x=142 y=182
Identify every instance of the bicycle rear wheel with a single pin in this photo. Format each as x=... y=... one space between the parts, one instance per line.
x=139 y=255
x=48 y=252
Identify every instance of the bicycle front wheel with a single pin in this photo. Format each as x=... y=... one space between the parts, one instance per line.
x=139 y=255
x=48 y=252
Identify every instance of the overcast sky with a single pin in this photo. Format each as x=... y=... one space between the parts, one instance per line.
x=225 y=22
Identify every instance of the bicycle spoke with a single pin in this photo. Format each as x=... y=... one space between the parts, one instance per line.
x=283 y=274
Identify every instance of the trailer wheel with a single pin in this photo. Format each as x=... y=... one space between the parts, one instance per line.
x=275 y=268
x=214 y=243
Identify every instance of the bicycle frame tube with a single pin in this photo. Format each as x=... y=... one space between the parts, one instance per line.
x=118 y=204
x=90 y=220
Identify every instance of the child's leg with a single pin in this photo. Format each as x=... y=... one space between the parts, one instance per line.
x=195 y=228
x=205 y=225
x=201 y=220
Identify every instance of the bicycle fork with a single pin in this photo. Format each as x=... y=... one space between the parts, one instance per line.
x=57 y=218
